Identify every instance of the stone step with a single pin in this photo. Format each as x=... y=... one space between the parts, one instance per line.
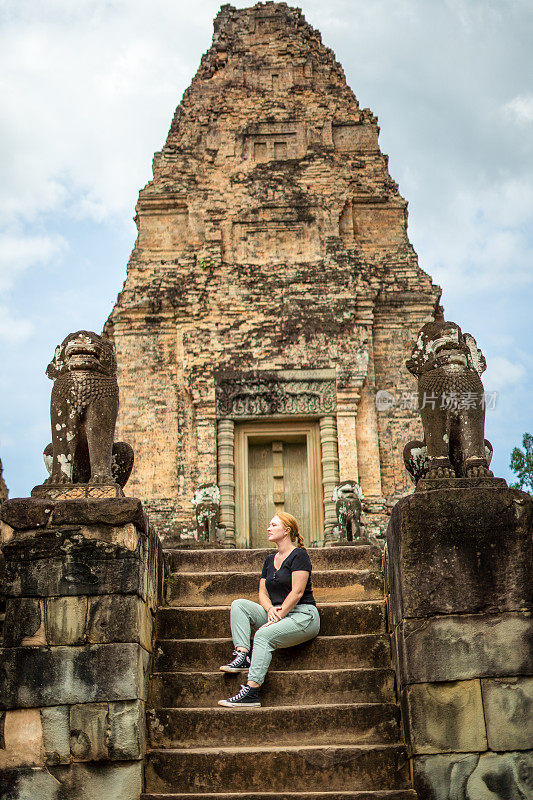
x=213 y=621
x=251 y=769
x=392 y=794
x=220 y=588
x=366 y=650
x=203 y=689
x=349 y=557
x=364 y=723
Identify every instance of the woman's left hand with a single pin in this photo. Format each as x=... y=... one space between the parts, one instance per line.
x=274 y=615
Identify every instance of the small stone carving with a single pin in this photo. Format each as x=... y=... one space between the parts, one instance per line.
x=348 y=498
x=83 y=412
x=206 y=501
x=448 y=365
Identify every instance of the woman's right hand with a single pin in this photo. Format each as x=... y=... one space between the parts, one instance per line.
x=273 y=615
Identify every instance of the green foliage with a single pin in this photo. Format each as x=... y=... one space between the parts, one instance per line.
x=203 y=259
x=522 y=464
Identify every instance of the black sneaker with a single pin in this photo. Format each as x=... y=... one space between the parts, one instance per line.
x=240 y=662
x=248 y=697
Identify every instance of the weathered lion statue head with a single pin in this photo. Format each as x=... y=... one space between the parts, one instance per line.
x=443 y=343
x=84 y=351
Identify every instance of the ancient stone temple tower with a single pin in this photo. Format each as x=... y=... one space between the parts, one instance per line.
x=271 y=292
x=3 y=487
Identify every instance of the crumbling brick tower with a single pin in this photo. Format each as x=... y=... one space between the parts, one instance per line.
x=3 y=487
x=272 y=290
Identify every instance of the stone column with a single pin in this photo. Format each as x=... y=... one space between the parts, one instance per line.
x=347 y=438
x=83 y=579
x=368 y=446
x=226 y=477
x=368 y=455
x=459 y=577
x=330 y=469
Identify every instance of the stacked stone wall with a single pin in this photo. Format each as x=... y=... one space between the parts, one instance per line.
x=460 y=569
x=83 y=580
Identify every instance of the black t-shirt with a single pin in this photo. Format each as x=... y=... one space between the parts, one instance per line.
x=279 y=581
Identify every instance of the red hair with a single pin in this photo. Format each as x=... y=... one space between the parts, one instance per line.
x=289 y=522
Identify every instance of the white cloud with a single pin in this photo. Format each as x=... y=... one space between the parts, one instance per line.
x=13 y=330
x=480 y=240
x=19 y=252
x=502 y=373
x=520 y=108
x=88 y=94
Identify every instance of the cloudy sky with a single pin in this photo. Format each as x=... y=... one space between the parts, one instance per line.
x=88 y=89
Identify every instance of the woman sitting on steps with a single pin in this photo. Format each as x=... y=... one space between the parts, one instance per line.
x=285 y=615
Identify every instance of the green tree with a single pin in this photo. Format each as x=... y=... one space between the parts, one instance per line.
x=522 y=464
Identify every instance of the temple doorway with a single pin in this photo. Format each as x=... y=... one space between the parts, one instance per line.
x=277 y=468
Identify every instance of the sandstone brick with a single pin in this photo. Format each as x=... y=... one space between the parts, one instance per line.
x=23 y=621
x=66 y=620
x=474 y=776
x=126 y=734
x=88 y=731
x=445 y=717
x=75 y=782
x=508 y=704
x=75 y=561
x=39 y=676
x=119 y=618
x=460 y=551
x=460 y=647
x=56 y=734
x=22 y=739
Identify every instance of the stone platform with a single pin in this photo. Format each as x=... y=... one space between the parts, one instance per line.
x=460 y=583
x=83 y=580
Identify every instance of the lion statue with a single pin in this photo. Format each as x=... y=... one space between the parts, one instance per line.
x=83 y=413
x=448 y=365
x=206 y=501
x=348 y=498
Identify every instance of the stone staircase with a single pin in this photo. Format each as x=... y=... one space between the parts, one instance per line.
x=329 y=726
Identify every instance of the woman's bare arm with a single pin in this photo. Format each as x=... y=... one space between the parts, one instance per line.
x=264 y=599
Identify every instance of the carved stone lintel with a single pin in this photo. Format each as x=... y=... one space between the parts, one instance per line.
x=254 y=396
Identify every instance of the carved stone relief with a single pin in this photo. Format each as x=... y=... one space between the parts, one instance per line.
x=238 y=398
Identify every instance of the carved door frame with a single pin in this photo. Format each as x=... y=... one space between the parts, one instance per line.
x=277 y=429
x=275 y=395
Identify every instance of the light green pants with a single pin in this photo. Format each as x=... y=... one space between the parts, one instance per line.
x=300 y=625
